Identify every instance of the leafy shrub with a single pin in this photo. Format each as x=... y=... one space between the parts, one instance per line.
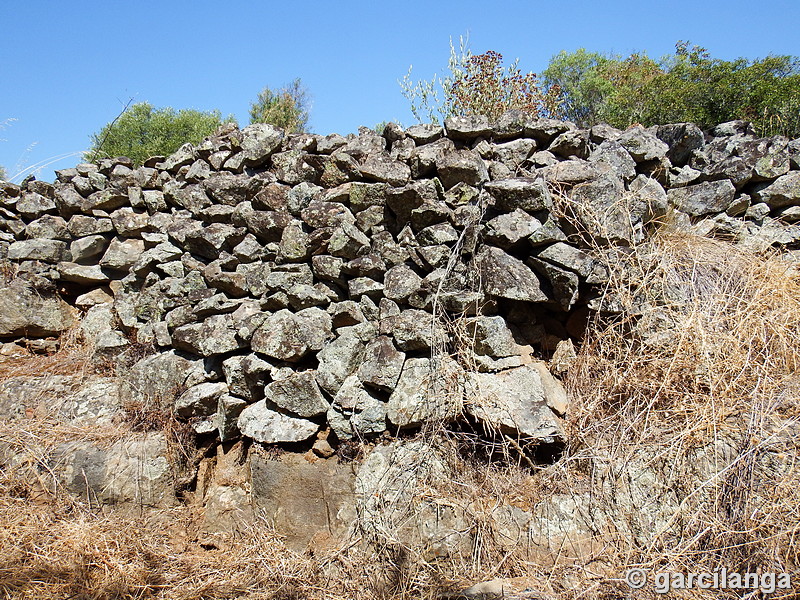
x=688 y=85
x=477 y=85
x=287 y=108
x=143 y=131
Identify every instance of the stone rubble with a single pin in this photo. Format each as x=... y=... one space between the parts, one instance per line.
x=294 y=283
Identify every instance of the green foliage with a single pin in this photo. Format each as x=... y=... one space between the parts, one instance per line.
x=287 y=108
x=688 y=85
x=477 y=85
x=143 y=131
x=576 y=78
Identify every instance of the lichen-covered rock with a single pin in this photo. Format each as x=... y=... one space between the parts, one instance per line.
x=513 y=402
x=528 y=194
x=428 y=389
x=298 y=394
x=50 y=251
x=267 y=426
x=381 y=365
x=28 y=311
x=703 y=198
x=507 y=277
x=218 y=334
x=339 y=359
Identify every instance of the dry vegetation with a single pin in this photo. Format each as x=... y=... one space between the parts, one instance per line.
x=683 y=444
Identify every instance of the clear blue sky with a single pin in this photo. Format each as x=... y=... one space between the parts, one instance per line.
x=69 y=67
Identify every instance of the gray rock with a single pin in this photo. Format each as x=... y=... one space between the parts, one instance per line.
x=200 y=400
x=267 y=226
x=425 y=158
x=603 y=210
x=338 y=360
x=48 y=226
x=643 y=144
x=227 y=189
x=490 y=336
x=348 y=242
x=87 y=247
x=299 y=394
x=571 y=143
x=293 y=246
x=155 y=381
x=28 y=311
x=507 y=277
x=784 y=191
x=544 y=130
x=122 y=254
x=468 y=127
x=108 y=199
x=383 y=169
x=514 y=403
x=511 y=228
x=427 y=390
x=381 y=365
x=129 y=223
x=82 y=225
x=461 y=166
x=270 y=427
x=227 y=417
x=213 y=239
x=425 y=133
x=326 y=214
x=703 y=198
x=511 y=124
x=259 y=142
x=400 y=282
x=33 y=205
x=84 y=274
x=573 y=171
x=414 y=330
x=68 y=200
x=282 y=336
x=613 y=155
x=570 y=258
x=682 y=139
x=403 y=201
x=564 y=284
x=50 y=251
x=355 y=412
x=524 y=193
x=183 y=156
x=215 y=335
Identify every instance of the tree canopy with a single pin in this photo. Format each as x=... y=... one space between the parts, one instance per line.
x=143 y=131
x=287 y=108
x=689 y=85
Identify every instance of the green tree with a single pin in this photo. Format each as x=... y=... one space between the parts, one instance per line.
x=577 y=79
x=143 y=131
x=287 y=108
x=477 y=85
x=689 y=85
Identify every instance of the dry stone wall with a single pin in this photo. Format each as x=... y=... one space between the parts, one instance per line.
x=292 y=286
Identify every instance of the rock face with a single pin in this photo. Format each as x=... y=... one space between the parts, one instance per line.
x=289 y=285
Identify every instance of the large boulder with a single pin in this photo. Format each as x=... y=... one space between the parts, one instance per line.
x=28 y=311
x=515 y=403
